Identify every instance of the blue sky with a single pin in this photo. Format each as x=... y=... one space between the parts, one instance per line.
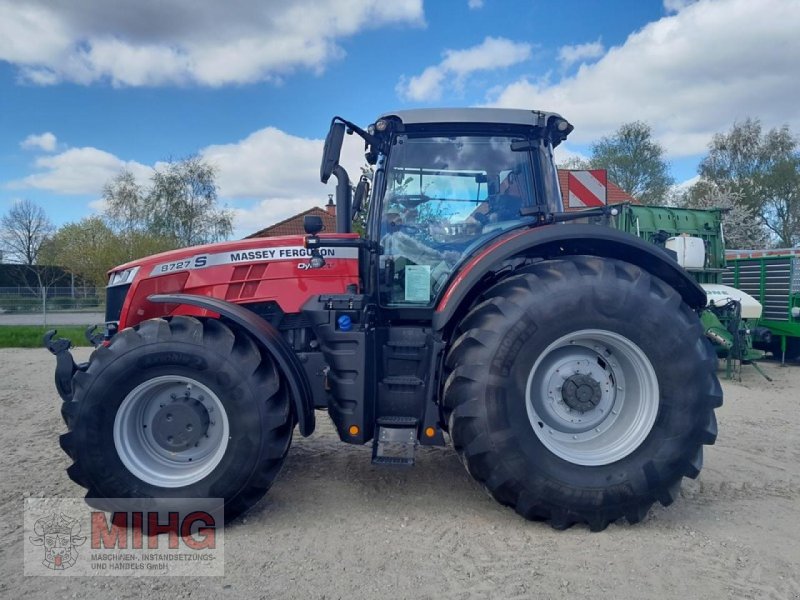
x=91 y=86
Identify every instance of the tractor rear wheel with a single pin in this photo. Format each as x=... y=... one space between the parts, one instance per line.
x=581 y=391
x=178 y=409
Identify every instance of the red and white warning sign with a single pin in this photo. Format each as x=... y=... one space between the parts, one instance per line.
x=586 y=189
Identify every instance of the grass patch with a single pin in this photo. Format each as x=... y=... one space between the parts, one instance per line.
x=30 y=336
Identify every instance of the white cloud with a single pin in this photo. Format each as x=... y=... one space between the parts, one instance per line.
x=475 y=4
x=267 y=163
x=43 y=141
x=688 y=75
x=684 y=186
x=426 y=86
x=79 y=171
x=677 y=190
x=673 y=6
x=569 y=55
x=270 y=163
x=280 y=171
x=564 y=154
x=202 y=42
x=277 y=170
x=492 y=53
x=270 y=211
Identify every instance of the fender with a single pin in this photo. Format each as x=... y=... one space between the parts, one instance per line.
x=269 y=339
x=553 y=241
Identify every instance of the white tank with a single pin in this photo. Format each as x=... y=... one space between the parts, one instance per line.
x=691 y=251
x=719 y=294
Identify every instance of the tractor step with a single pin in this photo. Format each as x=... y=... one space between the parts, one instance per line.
x=403 y=380
x=396 y=441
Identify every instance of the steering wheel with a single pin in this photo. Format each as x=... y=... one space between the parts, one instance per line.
x=410 y=200
x=408 y=229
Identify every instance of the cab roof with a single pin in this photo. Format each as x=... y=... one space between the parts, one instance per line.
x=510 y=116
x=422 y=117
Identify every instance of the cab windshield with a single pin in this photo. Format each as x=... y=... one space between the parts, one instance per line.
x=442 y=195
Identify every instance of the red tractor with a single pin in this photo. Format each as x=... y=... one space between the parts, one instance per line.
x=565 y=361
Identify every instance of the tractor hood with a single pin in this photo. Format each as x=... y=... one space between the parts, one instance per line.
x=250 y=271
x=284 y=248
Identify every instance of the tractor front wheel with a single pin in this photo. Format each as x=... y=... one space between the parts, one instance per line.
x=178 y=408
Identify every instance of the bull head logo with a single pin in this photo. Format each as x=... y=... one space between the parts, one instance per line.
x=59 y=536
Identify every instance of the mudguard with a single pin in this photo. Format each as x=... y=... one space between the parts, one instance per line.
x=270 y=339
x=553 y=241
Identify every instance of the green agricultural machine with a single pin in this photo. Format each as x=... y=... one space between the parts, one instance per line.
x=773 y=277
x=697 y=240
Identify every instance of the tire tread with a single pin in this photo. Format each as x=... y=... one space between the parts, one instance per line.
x=465 y=401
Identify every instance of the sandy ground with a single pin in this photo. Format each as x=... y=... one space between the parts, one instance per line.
x=334 y=526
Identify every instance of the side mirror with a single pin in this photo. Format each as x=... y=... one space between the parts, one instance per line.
x=312 y=224
x=361 y=194
x=332 y=150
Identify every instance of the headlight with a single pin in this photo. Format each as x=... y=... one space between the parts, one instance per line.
x=122 y=277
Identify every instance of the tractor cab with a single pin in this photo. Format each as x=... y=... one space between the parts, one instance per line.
x=445 y=182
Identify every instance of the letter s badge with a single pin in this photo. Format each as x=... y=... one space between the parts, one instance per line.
x=200 y=261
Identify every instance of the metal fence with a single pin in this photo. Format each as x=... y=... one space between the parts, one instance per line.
x=30 y=299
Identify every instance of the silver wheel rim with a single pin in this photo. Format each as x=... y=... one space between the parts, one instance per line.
x=192 y=453
x=592 y=397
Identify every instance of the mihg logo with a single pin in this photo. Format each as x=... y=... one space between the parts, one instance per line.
x=139 y=537
x=59 y=536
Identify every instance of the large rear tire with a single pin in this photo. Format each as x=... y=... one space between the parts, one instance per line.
x=178 y=409
x=581 y=391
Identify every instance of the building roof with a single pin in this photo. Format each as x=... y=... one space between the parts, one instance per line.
x=294 y=225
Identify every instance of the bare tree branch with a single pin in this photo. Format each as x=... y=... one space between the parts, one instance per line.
x=23 y=230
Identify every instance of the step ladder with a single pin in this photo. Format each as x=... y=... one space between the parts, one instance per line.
x=395 y=442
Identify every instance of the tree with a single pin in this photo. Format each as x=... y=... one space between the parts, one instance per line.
x=574 y=163
x=23 y=230
x=781 y=207
x=90 y=248
x=634 y=162
x=360 y=219
x=126 y=209
x=177 y=210
x=179 y=206
x=84 y=248
x=764 y=168
x=741 y=224
x=182 y=204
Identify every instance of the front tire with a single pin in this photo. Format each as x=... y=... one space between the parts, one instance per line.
x=581 y=391
x=178 y=409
